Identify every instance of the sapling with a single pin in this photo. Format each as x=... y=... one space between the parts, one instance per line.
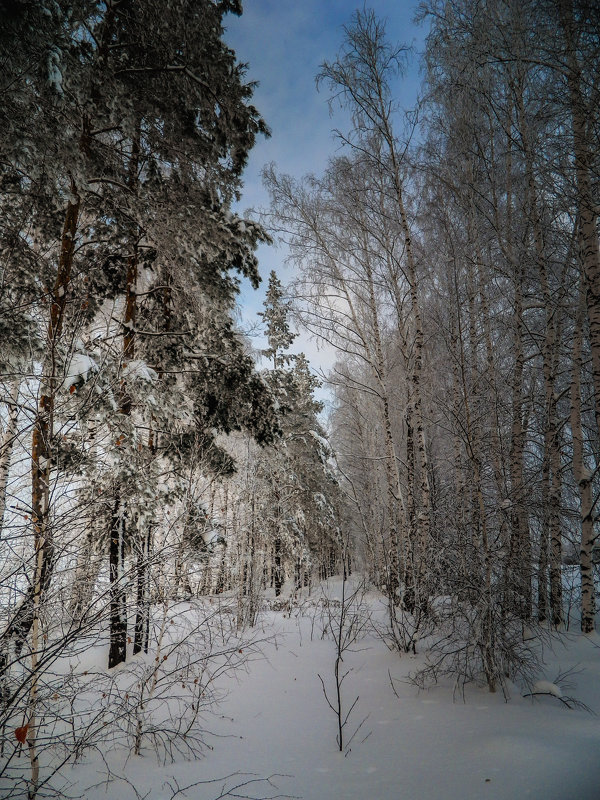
x=346 y=623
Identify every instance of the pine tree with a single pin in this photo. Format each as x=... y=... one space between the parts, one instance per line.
x=151 y=124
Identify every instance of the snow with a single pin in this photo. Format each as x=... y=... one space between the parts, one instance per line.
x=213 y=536
x=415 y=745
x=80 y=368
x=320 y=439
x=139 y=369
x=547 y=687
x=320 y=500
x=55 y=77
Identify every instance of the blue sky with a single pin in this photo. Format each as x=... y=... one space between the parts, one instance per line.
x=284 y=42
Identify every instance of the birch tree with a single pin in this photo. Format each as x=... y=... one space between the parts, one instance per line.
x=361 y=77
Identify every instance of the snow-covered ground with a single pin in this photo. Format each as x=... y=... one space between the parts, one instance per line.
x=413 y=745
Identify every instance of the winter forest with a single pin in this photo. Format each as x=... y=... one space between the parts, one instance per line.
x=186 y=535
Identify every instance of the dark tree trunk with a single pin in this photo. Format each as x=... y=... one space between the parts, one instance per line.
x=142 y=618
x=118 y=597
x=278 y=571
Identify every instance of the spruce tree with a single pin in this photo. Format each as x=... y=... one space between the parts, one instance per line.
x=277 y=329
x=302 y=496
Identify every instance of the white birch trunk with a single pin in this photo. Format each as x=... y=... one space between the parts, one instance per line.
x=586 y=204
x=8 y=440
x=583 y=479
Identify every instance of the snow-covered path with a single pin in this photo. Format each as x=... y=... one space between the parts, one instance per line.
x=422 y=746
x=418 y=746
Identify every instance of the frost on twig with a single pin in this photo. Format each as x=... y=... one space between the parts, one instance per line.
x=240 y=785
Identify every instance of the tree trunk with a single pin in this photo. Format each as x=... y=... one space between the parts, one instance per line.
x=556 y=610
x=583 y=478
x=41 y=449
x=8 y=440
x=121 y=519
x=142 y=617
x=424 y=516
x=551 y=484
x=519 y=557
x=395 y=504
x=277 y=568
x=26 y=619
x=586 y=204
x=118 y=595
x=480 y=569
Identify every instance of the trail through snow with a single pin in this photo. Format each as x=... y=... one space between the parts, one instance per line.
x=417 y=746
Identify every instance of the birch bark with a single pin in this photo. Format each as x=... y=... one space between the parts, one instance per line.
x=8 y=440
x=583 y=478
